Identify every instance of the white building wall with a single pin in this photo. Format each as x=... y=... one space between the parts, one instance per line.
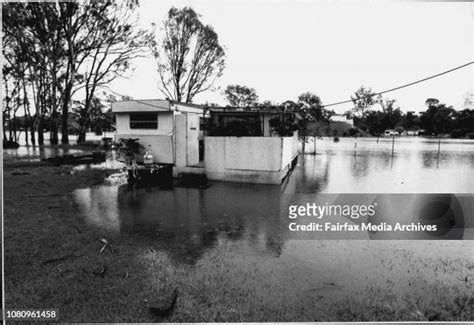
x=165 y=124
x=263 y=160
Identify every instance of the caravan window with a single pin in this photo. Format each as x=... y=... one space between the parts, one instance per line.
x=144 y=121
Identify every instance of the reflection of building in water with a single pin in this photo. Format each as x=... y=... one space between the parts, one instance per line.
x=187 y=222
x=99 y=207
x=310 y=175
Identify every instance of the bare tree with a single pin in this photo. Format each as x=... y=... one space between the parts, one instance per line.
x=115 y=41
x=189 y=56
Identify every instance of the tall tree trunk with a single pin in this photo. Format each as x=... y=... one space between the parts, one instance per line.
x=64 y=120
x=4 y=131
x=27 y=142
x=40 y=131
x=53 y=127
x=85 y=117
x=82 y=134
x=27 y=112
x=68 y=89
x=54 y=110
x=32 y=131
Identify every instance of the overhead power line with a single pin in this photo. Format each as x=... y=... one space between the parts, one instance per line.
x=405 y=85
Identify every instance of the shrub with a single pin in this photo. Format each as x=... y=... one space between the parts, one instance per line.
x=353 y=132
x=127 y=149
x=284 y=128
x=458 y=133
x=470 y=135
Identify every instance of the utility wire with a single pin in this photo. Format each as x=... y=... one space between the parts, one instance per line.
x=403 y=86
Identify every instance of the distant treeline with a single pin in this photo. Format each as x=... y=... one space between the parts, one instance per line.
x=435 y=120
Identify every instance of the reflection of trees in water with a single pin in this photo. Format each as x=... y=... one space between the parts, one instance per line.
x=185 y=223
x=312 y=175
x=364 y=163
x=428 y=158
x=360 y=165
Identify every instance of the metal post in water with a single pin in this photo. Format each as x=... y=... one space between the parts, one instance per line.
x=355 y=145
x=393 y=144
x=437 y=157
x=393 y=149
x=314 y=144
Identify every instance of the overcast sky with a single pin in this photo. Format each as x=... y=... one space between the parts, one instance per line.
x=283 y=48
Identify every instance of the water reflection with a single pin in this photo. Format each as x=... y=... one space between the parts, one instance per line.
x=37 y=153
x=186 y=222
x=413 y=167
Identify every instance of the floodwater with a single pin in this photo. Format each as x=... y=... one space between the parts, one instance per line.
x=240 y=225
x=236 y=209
x=36 y=153
x=366 y=165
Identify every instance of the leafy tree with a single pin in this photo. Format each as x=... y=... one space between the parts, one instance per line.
x=189 y=57
x=363 y=99
x=431 y=102
x=438 y=118
x=465 y=120
x=62 y=48
x=240 y=96
x=116 y=41
x=309 y=109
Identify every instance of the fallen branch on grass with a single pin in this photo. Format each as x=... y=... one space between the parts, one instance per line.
x=106 y=245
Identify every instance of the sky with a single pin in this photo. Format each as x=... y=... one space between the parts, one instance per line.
x=283 y=48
